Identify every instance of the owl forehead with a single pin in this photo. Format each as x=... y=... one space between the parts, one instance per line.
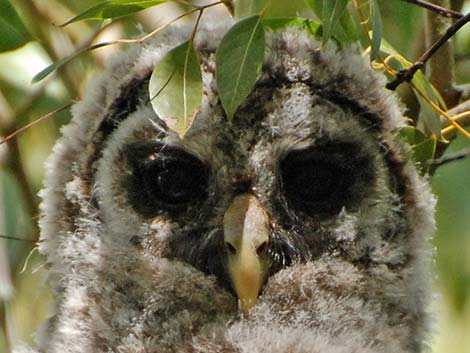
x=288 y=117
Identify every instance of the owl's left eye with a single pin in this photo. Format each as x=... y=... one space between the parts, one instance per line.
x=167 y=179
x=319 y=180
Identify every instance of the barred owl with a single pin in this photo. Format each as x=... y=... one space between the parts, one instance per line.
x=300 y=226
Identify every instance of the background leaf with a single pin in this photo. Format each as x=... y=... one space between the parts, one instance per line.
x=239 y=59
x=176 y=87
x=59 y=63
x=114 y=9
x=450 y=184
x=339 y=24
x=13 y=33
x=246 y=8
x=376 y=29
x=305 y=24
x=332 y=10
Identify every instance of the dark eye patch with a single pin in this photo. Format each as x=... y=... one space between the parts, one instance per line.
x=323 y=179
x=164 y=178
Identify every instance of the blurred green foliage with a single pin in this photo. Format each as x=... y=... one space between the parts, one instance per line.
x=22 y=159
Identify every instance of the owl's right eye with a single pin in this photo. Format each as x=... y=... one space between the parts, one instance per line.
x=170 y=178
x=174 y=181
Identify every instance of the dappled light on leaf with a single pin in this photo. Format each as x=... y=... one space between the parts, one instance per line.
x=175 y=87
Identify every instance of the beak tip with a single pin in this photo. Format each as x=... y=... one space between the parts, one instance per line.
x=246 y=305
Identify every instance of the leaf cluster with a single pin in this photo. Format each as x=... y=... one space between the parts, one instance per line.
x=241 y=54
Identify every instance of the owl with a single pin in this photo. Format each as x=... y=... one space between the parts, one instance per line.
x=299 y=226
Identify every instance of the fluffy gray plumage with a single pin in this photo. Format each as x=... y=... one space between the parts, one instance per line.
x=132 y=275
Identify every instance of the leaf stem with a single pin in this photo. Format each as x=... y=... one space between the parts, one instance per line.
x=452 y=157
x=462 y=118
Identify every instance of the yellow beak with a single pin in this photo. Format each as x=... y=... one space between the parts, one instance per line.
x=246 y=234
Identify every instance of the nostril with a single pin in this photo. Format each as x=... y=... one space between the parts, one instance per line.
x=261 y=250
x=231 y=249
x=241 y=183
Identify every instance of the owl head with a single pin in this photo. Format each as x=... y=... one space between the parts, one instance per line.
x=298 y=226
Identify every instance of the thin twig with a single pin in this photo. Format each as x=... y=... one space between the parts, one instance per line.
x=451 y=157
x=34 y=241
x=42 y=118
x=407 y=75
x=190 y=12
x=41 y=75
x=95 y=35
x=463 y=120
x=438 y=9
x=441 y=112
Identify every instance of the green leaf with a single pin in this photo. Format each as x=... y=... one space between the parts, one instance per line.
x=332 y=10
x=423 y=148
x=336 y=20
x=114 y=9
x=317 y=7
x=346 y=30
x=452 y=239
x=412 y=135
x=239 y=60
x=376 y=29
x=59 y=63
x=309 y=26
x=13 y=33
x=176 y=87
x=429 y=119
x=51 y=68
x=246 y=8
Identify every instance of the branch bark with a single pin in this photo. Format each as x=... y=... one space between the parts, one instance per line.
x=440 y=69
x=439 y=56
x=436 y=8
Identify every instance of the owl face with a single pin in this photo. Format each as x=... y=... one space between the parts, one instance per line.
x=296 y=174
x=302 y=211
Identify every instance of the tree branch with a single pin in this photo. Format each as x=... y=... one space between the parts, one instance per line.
x=437 y=9
x=407 y=75
x=451 y=157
